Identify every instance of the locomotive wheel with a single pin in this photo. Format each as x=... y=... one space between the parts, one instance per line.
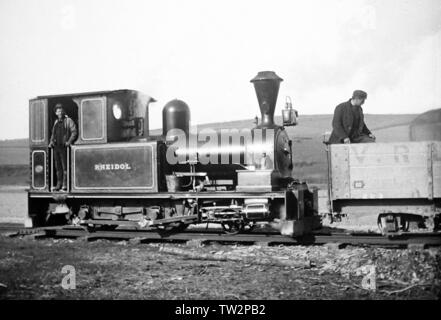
x=173 y=227
x=181 y=227
x=232 y=227
x=109 y=227
x=405 y=225
x=91 y=228
x=249 y=227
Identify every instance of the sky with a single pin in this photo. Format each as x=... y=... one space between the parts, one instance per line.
x=205 y=52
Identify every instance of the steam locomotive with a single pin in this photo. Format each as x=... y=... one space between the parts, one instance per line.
x=119 y=174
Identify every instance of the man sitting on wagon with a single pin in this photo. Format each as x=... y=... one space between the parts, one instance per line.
x=64 y=134
x=348 y=123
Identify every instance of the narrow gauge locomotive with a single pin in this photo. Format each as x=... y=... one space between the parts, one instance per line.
x=121 y=175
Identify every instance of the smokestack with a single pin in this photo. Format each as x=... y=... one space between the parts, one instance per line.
x=267 y=84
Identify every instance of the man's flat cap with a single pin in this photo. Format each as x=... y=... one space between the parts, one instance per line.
x=58 y=106
x=359 y=94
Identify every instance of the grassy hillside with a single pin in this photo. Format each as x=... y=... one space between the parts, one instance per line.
x=14 y=151
x=14 y=175
x=14 y=162
x=309 y=154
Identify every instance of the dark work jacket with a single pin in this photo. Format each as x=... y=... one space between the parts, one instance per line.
x=343 y=121
x=70 y=131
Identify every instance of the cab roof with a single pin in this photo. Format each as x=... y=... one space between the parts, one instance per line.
x=91 y=93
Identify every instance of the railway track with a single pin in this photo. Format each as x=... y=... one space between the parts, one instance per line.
x=207 y=235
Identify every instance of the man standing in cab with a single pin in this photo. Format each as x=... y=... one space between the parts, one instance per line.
x=64 y=133
x=348 y=123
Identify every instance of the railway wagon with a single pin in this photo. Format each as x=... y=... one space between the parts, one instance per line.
x=400 y=181
x=119 y=174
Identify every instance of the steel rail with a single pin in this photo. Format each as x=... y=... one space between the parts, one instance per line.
x=403 y=240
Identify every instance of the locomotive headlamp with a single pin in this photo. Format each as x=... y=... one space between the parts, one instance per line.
x=117 y=111
x=289 y=115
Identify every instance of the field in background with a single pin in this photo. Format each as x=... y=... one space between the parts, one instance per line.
x=14 y=152
x=14 y=175
x=14 y=162
x=13 y=204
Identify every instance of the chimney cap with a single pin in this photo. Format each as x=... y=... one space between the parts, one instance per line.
x=266 y=75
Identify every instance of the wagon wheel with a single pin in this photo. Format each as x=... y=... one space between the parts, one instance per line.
x=405 y=224
x=233 y=227
x=401 y=223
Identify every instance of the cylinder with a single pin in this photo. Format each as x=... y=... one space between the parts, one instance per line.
x=175 y=115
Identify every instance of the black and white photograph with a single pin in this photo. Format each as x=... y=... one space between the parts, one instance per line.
x=216 y=157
